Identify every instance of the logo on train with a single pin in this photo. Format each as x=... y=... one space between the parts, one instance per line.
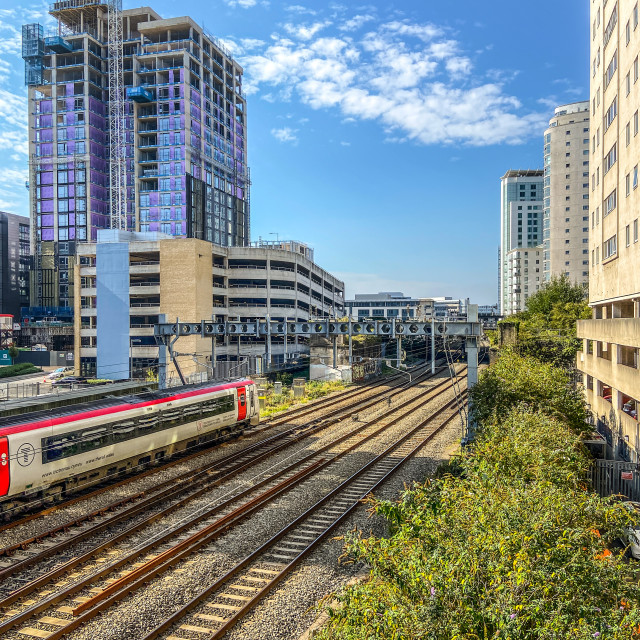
x=26 y=454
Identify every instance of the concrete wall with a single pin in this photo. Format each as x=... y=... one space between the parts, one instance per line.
x=186 y=292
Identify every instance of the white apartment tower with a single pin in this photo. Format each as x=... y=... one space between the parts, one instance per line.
x=520 y=269
x=566 y=193
x=611 y=340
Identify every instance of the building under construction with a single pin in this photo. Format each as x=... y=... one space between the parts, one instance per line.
x=136 y=123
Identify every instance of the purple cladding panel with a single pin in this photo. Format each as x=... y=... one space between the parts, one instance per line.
x=72 y=233
x=171 y=81
x=46 y=149
x=70 y=88
x=47 y=234
x=46 y=206
x=46 y=121
x=47 y=220
x=46 y=106
x=72 y=219
x=154 y=226
x=46 y=177
x=154 y=214
x=154 y=198
x=182 y=80
x=97 y=106
x=72 y=204
x=70 y=103
x=47 y=192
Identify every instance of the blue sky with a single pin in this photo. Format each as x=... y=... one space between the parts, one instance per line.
x=377 y=132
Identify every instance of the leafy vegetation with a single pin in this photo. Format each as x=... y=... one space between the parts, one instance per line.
x=547 y=327
x=278 y=402
x=515 y=378
x=507 y=542
x=22 y=369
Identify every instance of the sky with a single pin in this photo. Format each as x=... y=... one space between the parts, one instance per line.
x=377 y=132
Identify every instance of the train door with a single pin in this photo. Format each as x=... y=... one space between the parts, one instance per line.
x=5 y=474
x=251 y=401
x=242 y=403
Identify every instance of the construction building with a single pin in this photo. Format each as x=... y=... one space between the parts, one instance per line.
x=521 y=206
x=136 y=123
x=14 y=264
x=127 y=280
x=566 y=194
x=611 y=340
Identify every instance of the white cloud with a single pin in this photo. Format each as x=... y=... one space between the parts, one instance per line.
x=298 y=8
x=353 y=24
x=305 y=32
x=285 y=134
x=243 y=4
x=345 y=144
x=410 y=78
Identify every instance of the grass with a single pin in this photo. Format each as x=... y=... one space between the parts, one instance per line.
x=279 y=402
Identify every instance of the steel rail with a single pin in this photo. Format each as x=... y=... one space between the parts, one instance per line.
x=318 y=537
x=171 y=488
x=214 y=529
x=180 y=457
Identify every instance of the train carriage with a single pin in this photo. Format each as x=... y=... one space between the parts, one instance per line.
x=49 y=454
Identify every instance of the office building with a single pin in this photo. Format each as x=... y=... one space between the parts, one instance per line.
x=611 y=340
x=389 y=304
x=126 y=280
x=14 y=264
x=184 y=139
x=520 y=228
x=566 y=194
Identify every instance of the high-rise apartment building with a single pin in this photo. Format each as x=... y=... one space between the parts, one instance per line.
x=566 y=194
x=611 y=340
x=520 y=228
x=14 y=263
x=185 y=135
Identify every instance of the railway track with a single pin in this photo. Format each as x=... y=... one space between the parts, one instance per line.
x=190 y=536
x=291 y=415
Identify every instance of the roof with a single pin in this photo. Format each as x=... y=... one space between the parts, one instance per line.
x=523 y=173
x=63 y=415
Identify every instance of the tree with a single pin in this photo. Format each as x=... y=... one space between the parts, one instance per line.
x=547 y=327
x=13 y=352
x=516 y=379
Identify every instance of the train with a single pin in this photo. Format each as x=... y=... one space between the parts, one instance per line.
x=47 y=455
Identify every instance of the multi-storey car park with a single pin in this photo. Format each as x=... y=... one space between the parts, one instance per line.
x=125 y=281
x=185 y=135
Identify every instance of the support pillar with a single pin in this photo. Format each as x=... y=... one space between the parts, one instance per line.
x=433 y=346
x=399 y=350
x=335 y=352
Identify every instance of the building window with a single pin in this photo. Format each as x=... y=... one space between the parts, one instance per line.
x=627 y=182
x=627 y=82
x=610 y=203
x=610 y=158
x=635 y=230
x=627 y=32
x=611 y=113
x=635 y=177
x=628 y=134
x=635 y=123
x=609 y=248
x=627 y=235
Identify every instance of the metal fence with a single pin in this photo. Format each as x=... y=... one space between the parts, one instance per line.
x=613 y=477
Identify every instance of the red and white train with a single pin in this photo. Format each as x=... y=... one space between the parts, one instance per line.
x=48 y=454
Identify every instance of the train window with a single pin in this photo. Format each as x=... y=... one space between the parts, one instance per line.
x=75 y=442
x=146 y=425
x=93 y=439
x=58 y=447
x=124 y=431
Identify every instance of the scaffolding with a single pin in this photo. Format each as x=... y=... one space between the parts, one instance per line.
x=33 y=53
x=117 y=145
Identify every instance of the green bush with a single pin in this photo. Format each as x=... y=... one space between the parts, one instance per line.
x=21 y=369
x=515 y=547
x=516 y=379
